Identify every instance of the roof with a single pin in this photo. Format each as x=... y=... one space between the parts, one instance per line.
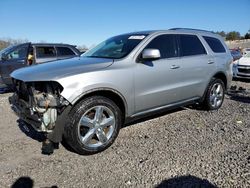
x=52 y=44
x=172 y=30
x=189 y=29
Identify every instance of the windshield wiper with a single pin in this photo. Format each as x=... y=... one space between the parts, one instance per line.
x=100 y=57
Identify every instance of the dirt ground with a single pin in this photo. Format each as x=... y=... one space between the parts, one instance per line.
x=184 y=148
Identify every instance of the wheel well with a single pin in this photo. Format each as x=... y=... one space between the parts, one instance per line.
x=116 y=98
x=222 y=77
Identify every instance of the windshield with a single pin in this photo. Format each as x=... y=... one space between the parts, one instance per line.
x=6 y=50
x=246 y=55
x=115 y=47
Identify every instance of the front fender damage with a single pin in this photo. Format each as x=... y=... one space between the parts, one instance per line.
x=41 y=105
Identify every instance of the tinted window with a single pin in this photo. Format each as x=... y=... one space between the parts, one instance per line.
x=42 y=52
x=64 y=51
x=7 y=50
x=19 y=53
x=215 y=44
x=190 y=45
x=166 y=44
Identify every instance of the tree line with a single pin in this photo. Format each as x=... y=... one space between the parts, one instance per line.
x=5 y=42
x=233 y=35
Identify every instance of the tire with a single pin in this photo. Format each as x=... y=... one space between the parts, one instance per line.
x=214 y=96
x=94 y=125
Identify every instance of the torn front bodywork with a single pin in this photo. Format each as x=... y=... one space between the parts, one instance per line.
x=38 y=103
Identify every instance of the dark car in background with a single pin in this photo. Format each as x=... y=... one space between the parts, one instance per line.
x=22 y=55
x=236 y=54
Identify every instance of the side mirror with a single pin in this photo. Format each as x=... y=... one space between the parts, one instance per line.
x=151 y=54
x=4 y=57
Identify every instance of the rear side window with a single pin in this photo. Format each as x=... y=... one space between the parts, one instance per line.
x=45 y=52
x=64 y=51
x=190 y=45
x=215 y=44
x=166 y=44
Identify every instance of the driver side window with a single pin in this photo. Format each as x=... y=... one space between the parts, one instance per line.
x=166 y=44
x=18 y=53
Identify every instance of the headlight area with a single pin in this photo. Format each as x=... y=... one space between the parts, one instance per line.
x=235 y=63
x=38 y=103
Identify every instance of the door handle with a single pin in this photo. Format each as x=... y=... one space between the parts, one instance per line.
x=22 y=61
x=174 y=67
x=210 y=62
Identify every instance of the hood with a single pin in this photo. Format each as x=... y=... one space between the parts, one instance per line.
x=61 y=68
x=244 y=61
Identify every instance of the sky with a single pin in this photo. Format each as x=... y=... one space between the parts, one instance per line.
x=81 y=22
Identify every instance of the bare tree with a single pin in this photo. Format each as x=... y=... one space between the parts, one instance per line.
x=5 y=42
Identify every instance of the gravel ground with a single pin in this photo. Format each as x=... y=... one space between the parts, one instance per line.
x=185 y=148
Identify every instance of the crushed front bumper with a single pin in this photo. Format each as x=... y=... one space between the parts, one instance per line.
x=24 y=111
x=2 y=84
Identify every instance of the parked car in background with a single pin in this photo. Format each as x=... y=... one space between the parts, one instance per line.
x=83 y=51
x=22 y=55
x=241 y=68
x=236 y=54
x=86 y=100
x=246 y=50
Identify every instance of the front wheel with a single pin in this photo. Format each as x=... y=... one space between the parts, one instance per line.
x=95 y=124
x=214 y=95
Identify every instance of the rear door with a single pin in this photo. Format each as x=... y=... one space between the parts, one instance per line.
x=222 y=57
x=196 y=66
x=15 y=59
x=45 y=54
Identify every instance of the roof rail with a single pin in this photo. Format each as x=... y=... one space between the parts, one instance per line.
x=190 y=29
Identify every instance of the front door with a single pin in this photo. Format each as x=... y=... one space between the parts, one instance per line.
x=14 y=59
x=155 y=81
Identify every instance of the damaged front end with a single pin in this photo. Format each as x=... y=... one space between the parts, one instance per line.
x=38 y=103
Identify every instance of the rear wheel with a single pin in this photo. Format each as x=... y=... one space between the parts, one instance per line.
x=95 y=124
x=214 y=95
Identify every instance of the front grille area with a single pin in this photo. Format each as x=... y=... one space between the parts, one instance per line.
x=242 y=75
x=21 y=89
x=247 y=71
x=244 y=70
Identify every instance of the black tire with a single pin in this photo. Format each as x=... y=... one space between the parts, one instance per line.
x=71 y=132
x=207 y=104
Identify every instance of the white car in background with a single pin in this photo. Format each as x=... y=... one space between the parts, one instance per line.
x=246 y=51
x=241 y=68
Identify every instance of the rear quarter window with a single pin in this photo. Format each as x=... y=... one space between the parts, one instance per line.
x=64 y=51
x=190 y=45
x=215 y=44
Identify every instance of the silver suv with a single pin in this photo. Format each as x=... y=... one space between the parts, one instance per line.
x=86 y=100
